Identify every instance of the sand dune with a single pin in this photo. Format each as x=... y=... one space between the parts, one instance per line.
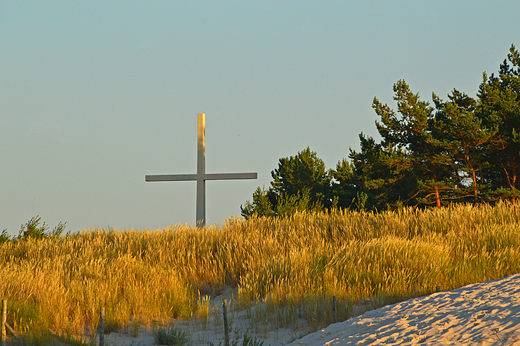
x=480 y=314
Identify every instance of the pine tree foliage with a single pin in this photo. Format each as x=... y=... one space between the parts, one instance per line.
x=463 y=149
x=500 y=104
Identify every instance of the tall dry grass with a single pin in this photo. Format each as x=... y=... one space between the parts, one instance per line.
x=59 y=284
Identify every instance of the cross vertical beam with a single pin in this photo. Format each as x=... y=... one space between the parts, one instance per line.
x=201 y=175
x=201 y=170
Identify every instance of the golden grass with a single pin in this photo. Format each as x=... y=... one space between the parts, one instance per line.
x=59 y=284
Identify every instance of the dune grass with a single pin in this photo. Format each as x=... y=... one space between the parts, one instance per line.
x=292 y=265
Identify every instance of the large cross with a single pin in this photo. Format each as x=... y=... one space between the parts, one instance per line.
x=201 y=175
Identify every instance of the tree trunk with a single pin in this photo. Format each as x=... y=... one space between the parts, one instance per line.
x=437 y=197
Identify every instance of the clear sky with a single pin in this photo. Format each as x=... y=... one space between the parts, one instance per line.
x=94 y=95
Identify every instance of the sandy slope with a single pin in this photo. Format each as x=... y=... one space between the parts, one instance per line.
x=481 y=314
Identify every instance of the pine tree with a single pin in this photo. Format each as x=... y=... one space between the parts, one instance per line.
x=304 y=171
x=344 y=187
x=410 y=131
x=460 y=132
x=300 y=182
x=500 y=103
x=382 y=176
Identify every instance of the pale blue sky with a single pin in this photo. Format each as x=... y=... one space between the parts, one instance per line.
x=94 y=95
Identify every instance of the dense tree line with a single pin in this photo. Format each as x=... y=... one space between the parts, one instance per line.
x=462 y=149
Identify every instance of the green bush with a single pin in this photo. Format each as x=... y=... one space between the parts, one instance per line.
x=33 y=229
x=170 y=335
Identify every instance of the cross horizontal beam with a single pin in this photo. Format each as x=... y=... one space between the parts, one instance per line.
x=209 y=176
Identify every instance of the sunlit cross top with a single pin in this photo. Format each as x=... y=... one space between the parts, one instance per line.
x=201 y=175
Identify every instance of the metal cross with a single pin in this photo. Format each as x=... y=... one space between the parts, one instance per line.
x=201 y=175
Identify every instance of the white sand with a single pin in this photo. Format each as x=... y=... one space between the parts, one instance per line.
x=481 y=314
